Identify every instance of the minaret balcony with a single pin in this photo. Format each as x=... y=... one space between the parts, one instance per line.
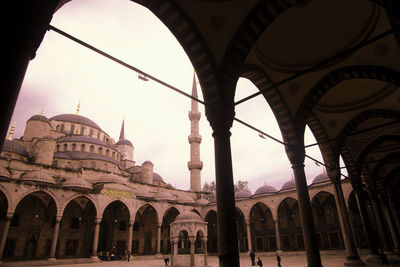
x=194 y=138
x=197 y=165
x=194 y=115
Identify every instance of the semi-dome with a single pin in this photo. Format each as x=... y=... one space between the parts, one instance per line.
x=265 y=189
x=77 y=184
x=323 y=177
x=163 y=195
x=242 y=194
x=188 y=216
x=38 y=177
x=289 y=184
x=75 y=119
x=39 y=118
x=124 y=142
x=157 y=177
x=14 y=147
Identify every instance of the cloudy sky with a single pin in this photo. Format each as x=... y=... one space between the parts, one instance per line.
x=156 y=118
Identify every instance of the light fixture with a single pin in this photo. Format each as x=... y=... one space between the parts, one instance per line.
x=36 y=216
x=142 y=77
x=261 y=135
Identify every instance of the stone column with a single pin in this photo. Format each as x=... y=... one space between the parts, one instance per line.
x=172 y=253
x=373 y=256
x=296 y=155
x=192 y=246
x=55 y=238
x=221 y=122
x=277 y=236
x=380 y=224
x=175 y=257
x=130 y=237
x=96 y=237
x=393 y=213
x=27 y=23
x=158 y=238
x=4 y=234
x=352 y=258
x=250 y=246
x=389 y=221
x=205 y=251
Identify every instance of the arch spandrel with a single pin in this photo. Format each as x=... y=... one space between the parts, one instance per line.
x=108 y=201
x=47 y=191
x=152 y=205
x=78 y=195
x=253 y=204
x=315 y=193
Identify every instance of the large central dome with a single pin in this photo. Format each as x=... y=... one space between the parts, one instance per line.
x=76 y=119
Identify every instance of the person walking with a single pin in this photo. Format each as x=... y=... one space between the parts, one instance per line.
x=253 y=258
x=128 y=256
x=259 y=262
x=278 y=259
x=166 y=262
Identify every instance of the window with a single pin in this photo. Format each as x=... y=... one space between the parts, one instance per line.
x=82 y=130
x=91 y=133
x=113 y=154
x=83 y=147
x=65 y=147
x=92 y=149
x=58 y=128
x=69 y=165
x=55 y=162
x=72 y=129
x=107 y=152
x=100 y=150
x=62 y=128
x=93 y=165
x=70 y=247
x=58 y=148
x=73 y=147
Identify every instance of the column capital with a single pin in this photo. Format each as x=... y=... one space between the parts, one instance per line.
x=220 y=119
x=9 y=216
x=159 y=225
x=58 y=219
x=247 y=222
x=296 y=153
x=97 y=220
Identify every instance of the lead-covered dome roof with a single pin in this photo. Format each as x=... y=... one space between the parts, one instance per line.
x=289 y=184
x=38 y=177
x=14 y=147
x=242 y=194
x=188 y=216
x=265 y=189
x=323 y=177
x=39 y=118
x=77 y=184
x=157 y=177
x=76 y=119
x=124 y=142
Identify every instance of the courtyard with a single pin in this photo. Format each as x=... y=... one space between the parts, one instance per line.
x=332 y=259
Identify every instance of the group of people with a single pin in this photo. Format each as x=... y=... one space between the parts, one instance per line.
x=259 y=261
x=108 y=256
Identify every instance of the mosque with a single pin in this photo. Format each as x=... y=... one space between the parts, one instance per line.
x=69 y=190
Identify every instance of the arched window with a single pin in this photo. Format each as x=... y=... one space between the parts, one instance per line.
x=91 y=133
x=98 y=135
x=92 y=149
x=62 y=128
x=108 y=152
x=58 y=148
x=72 y=129
x=58 y=128
x=113 y=154
x=100 y=150
x=55 y=163
x=93 y=165
x=83 y=147
x=65 y=147
x=69 y=165
x=73 y=147
x=80 y=164
x=82 y=130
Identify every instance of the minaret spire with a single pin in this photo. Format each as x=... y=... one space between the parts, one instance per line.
x=122 y=134
x=78 y=108
x=11 y=132
x=195 y=164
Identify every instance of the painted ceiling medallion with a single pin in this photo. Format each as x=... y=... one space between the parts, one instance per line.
x=303 y=37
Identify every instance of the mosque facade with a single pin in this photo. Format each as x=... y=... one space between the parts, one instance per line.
x=69 y=190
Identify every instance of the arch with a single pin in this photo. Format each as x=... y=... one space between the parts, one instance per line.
x=83 y=146
x=241 y=230
x=197 y=212
x=50 y=193
x=65 y=147
x=262 y=228
x=212 y=226
x=109 y=201
x=146 y=222
x=144 y=206
x=91 y=149
x=73 y=147
x=342 y=74
x=7 y=198
x=169 y=216
x=290 y=231
x=77 y=195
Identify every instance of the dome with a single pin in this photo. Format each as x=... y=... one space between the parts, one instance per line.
x=265 y=189
x=83 y=139
x=289 y=184
x=147 y=162
x=157 y=177
x=4 y=172
x=39 y=118
x=108 y=178
x=184 y=199
x=242 y=194
x=188 y=216
x=79 y=155
x=14 y=147
x=203 y=201
x=163 y=195
x=76 y=119
x=39 y=177
x=77 y=183
x=323 y=177
x=124 y=142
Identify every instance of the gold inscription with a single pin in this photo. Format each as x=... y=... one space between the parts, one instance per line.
x=117 y=193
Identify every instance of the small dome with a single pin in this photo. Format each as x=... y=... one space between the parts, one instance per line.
x=289 y=184
x=76 y=119
x=78 y=184
x=14 y=147
x=109 y=178
x=4 y=172
x=323 y=177
x=265 y=189
x=184 y=199
x=38 y=177
x=147 y=162
x=163 y=195
x=39 y=118
x=202 y=201
x=157 y=177
x=188 y=216
x=242 y=194
x=124 y=142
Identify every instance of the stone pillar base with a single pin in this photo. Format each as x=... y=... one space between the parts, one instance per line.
x=279 y=251
x=95 y=258
x=354 y=262
x=51 y=259
x=392 y=257
x=159 y=255
x=373 y=258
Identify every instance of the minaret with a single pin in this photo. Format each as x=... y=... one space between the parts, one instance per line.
x=195 y=164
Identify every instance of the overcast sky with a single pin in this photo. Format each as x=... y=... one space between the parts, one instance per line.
x=156 y=118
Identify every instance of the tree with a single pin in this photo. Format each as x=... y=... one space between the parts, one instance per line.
x=242 y=185
x=211 y=189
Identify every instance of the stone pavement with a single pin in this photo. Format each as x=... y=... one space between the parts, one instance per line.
x=329 y=260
